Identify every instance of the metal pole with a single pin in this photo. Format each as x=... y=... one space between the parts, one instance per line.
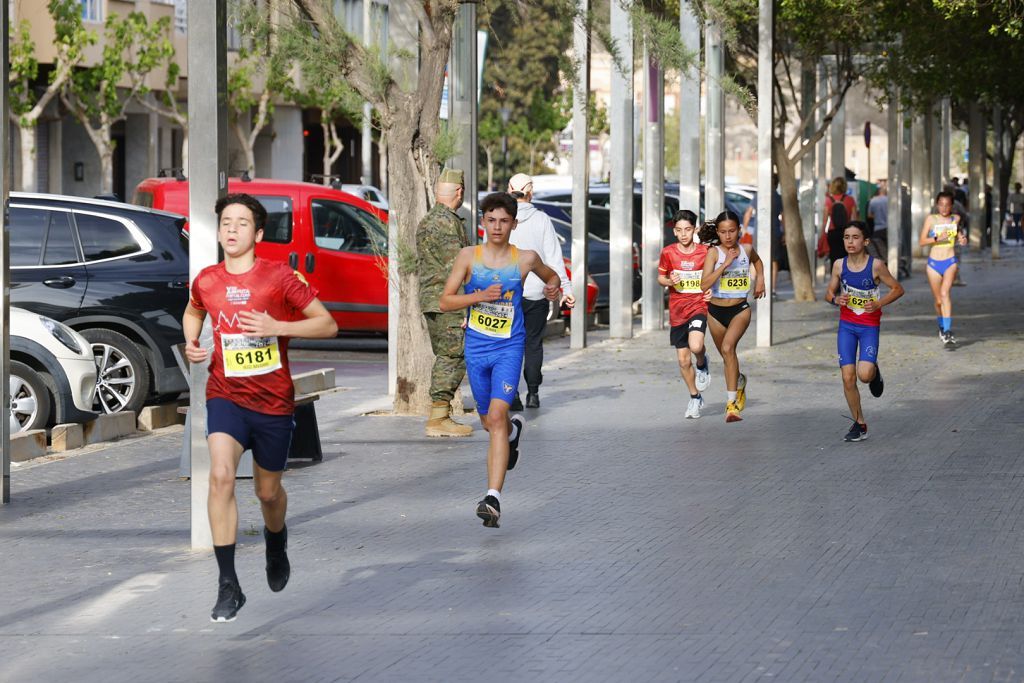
x=714 y=126
x=366 y=144
x=895 y=182
x=653 y=191
x=207 y=164
x=580 y=174
x=947 y=131
x=997 y=164
x=908 y=245
x=821 y=176
x=976 y=173
x=689 y=113
x=765 y=187
x=5 y=262
x=620 y=119
x=920 y=202
x=807 y=185
x=837 y=135
x=462 y=105
x=935 y=149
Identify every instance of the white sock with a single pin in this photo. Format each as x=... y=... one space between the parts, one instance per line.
x=732 y=395
x=494 y=492
x=514 y=432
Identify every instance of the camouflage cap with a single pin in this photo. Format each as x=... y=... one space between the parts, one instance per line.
x=452 y=175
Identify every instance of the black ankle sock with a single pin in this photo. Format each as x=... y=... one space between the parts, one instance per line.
x=276 y=540
x=226 y=561
x=694 y=395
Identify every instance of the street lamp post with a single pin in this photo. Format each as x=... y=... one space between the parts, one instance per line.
x=504 y=112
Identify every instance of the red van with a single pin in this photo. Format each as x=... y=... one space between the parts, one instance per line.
x=336 y=240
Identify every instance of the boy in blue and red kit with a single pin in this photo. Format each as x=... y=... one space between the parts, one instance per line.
x=856 y=277
x=255 y=307
x=680 y=269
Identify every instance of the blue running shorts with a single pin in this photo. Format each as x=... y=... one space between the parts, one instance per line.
x=494 y=375
x=851 y=336
x=942 y=266
x=268 y=436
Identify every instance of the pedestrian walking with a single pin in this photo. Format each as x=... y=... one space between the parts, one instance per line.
x=492 y=276
x=840 y=209
x=727 y=274
x=439 y=237
x=535 y=232
x=854 y=288
x=256 y=306
x=878 y=223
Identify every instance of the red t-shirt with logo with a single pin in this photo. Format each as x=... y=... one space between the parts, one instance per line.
x=251 y=372
x=686 y=300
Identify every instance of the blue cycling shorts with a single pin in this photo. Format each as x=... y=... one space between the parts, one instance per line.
x=853 y=336
x=269 y=436
x=494 y=375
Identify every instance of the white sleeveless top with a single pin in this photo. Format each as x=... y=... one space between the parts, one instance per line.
x=735 y=281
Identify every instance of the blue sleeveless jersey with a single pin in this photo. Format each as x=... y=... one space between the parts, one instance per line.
x=495 y=325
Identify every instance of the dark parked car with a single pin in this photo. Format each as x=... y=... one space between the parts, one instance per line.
x=598 y=252
x=116 y=273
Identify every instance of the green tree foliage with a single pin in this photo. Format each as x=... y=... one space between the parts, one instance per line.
x=261 y=71
x=29 y=98
x=526 y=63
x=132 y=48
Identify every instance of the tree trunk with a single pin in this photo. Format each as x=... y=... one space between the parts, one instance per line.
x=28 y=136
x=382 y=153
x=796 y=245
x=184 y=148
x=407 y=198
x=327 y=151
x=107 y=170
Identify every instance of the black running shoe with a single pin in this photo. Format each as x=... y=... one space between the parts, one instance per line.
x=950 y=341
x=517 y=403
x=532 y=400
x=229 y=600
x=877 y=384
x=513 y=444
x=279 y=569
x=489 y=510
x=858 y=432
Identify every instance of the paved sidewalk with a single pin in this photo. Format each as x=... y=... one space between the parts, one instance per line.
x=634 y=545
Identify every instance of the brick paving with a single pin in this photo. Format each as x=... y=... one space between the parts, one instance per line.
x=635 y=545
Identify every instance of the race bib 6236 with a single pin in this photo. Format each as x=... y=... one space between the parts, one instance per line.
x=735 y=281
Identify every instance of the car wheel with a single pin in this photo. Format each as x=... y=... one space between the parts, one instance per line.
x=30 y=401
x=122 y=376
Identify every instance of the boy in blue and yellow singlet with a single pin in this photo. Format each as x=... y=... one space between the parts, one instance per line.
x=492 y=274
x=854 y=288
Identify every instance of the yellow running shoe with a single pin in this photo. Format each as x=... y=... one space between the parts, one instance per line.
x=741 y=392
x=732 y=413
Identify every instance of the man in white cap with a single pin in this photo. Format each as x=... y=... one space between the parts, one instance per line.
x=535 y=232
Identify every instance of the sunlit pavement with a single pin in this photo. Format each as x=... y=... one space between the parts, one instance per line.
x=634 y=545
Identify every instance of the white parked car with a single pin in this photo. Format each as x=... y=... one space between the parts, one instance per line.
x=53 y=373
x=368 y=193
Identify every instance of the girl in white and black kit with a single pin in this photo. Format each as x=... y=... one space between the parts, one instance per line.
x=727 y=274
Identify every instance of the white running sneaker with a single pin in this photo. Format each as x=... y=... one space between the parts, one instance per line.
x=703 y=375
x=694 y=406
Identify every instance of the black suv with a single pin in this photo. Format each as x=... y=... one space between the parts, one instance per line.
x=116 y=273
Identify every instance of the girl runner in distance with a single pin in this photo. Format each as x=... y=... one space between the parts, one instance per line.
x=856 y=276
x=727 y=276
x=940 y=232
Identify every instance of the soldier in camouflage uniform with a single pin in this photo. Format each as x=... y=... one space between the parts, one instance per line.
x=439 y=237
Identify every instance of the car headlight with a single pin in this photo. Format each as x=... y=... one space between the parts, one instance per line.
x=61 y=334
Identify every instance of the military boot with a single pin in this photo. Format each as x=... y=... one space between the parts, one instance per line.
x=441 y=424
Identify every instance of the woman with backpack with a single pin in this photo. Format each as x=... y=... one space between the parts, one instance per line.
x=840 y=209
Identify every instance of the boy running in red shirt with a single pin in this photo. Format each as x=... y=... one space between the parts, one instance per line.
x=680 y=269
x=255 y=306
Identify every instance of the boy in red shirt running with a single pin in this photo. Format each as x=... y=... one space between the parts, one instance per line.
x=680 y=269
x=255 y=306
